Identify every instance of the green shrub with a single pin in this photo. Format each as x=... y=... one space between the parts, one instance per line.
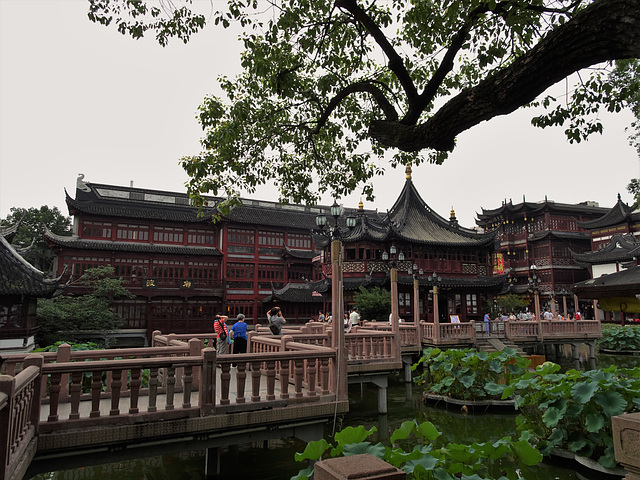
x=619 y=338
x=466 y=374
x=573 y=410
x=416 y=449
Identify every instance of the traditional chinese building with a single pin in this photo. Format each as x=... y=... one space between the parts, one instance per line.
x=182 y=267
x=21 y=285
x=536 y=242
x=456 y=259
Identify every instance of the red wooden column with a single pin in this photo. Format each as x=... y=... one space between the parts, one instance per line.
x=395 y=322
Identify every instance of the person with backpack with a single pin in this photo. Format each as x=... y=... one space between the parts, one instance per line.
x=222 y=332
x=276 y=321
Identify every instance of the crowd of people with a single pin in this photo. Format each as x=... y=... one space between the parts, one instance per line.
x=530 y=316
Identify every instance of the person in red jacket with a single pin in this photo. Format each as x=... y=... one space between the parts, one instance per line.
x=222 y=332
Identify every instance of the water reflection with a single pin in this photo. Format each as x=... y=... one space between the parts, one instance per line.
x=274 y=460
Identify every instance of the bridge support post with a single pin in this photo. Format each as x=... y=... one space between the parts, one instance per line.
x=592 y=350
x=212 y=463
x=407 y=363
x=381 y=383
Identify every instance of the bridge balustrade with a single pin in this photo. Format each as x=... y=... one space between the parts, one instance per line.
x=19 y=414
x=522 y=330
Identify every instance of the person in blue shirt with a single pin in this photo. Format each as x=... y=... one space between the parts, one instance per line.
x=487 y=319
x=239 y=335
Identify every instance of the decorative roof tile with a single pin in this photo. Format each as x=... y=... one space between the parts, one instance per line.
x=621 y=248
x=106 y=245
x=18 y=277
x=619 y=213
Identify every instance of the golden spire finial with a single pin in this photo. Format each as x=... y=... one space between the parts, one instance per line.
x=452 y=214
x=361 y=205
x=408 y=171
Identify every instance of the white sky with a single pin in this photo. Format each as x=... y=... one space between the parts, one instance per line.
x=76 y=97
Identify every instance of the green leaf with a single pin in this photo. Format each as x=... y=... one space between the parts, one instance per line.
x=353 y=434
x=304 y=474
x=528 y=454
x=313 y=450
x=612 y=403
x=428 y=431
x=493 y=388
x=364 y=447
x=403 y=432
x=584 y=391
x=426 y=461
x=552 y=416
x=594 y=422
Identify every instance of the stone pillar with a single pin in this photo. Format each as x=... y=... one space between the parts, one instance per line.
x=337 y=312
x=362 y=467
x=626 y=441
x=212 y=463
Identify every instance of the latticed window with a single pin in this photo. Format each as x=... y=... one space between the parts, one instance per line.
x=240 y=236
x=92 y=229
x=296 y=240
x=201 y=237
x=271 y=239
x=270 y=272
x=472 y=303
x=168 y=235
x=171 y=269
x=130 y=232
x=239 y=271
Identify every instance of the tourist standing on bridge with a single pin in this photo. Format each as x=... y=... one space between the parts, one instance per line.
x=487 y=319
x=239 y=336
x=276 y=321
x=222 y=332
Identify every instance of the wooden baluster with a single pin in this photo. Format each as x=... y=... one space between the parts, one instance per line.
x=116 y=386
x=153 y=389
x=225 y=381
x=311 y=374
x=271 y=379
x=207 y=398
x=76 y=390
x=170 y=380
x=241 y=378
x=134 y=387
x=324 y=376
x=96 y=390
x=255 y=381
x=54 y=397
x=187 y=380
x=284 y=379
x=298 y=372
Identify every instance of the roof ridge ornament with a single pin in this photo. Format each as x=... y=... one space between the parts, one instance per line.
x=407 y=171
x=81 y=184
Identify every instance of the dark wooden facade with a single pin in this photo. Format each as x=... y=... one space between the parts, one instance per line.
x=21 y=285
x=545 y=235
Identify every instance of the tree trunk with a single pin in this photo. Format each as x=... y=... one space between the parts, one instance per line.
x=606 y=30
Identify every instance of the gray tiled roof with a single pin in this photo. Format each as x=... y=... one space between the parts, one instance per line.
x=413 y=220
x=619 y=213
x=18 y=277
x=106 y=245
x=621 y=248
x=620 y=283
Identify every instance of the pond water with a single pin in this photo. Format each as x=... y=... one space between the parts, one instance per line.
x=274 y=460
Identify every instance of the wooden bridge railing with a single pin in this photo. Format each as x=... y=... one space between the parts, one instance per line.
x=19 y=414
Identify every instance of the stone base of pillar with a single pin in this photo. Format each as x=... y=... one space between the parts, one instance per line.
x=362 y=467
x=626 y=441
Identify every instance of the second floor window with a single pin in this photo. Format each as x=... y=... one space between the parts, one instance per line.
x=130 y=232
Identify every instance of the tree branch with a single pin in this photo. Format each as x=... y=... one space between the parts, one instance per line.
x=396 y=65
x=606 y=30
x=366 y=87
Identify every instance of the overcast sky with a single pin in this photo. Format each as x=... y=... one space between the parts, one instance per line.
x=76 y=97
